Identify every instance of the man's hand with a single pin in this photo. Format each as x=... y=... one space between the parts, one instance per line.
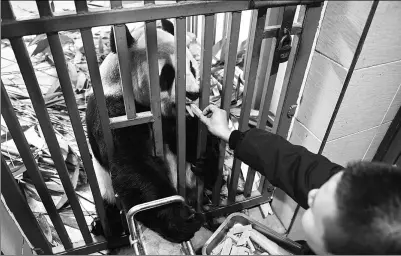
x=216 y=121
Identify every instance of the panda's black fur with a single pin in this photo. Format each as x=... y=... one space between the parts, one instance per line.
x=137 y=176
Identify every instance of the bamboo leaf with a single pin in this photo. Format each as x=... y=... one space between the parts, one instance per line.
x=81 y=82
x=41 y=47
x=37 y=39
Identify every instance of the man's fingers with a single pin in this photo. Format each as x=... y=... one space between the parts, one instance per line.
x=209 y=109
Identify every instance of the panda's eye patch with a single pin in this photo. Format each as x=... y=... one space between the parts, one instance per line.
x=192 y=69
x=167 y=76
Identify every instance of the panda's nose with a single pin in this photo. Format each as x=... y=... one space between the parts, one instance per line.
x=193 y=95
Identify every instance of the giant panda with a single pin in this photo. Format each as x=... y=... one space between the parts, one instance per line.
x=134 y=173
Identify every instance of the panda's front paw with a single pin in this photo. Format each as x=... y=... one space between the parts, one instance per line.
x=199 y=167
x=96 y=227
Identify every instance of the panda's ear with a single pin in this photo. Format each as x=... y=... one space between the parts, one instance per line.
x=130 y=39
x=168 y=26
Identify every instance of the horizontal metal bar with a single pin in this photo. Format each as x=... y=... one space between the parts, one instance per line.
x=19 y=207
x=234 y=22
x=128 y=15
x=123 y=121
x=7 y=111
x=272 y=31
x=101 y=244
x=238 y=206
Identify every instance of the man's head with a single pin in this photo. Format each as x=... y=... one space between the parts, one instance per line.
x=357 y=211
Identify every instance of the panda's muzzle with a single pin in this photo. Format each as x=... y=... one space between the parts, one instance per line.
x=192 y=95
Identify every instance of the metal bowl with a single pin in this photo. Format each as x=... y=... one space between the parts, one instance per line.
x=220 y=234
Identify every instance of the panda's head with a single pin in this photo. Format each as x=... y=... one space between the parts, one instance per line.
x=167 y=68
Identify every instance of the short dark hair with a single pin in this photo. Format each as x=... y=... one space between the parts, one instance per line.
x=368 y=198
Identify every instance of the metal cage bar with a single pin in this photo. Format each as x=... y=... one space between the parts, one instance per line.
x=93 y=67
x=120 y=38
x=131 y=15
x=270 y=81
x=234 y=22
x=7 y=111
x=69 y=97
x=180 y=86
x=151 y=51
x=38 y=103
x=115 y=4
x=205 y=74
x=19 y=207
x=306 y=39
x=252 y=60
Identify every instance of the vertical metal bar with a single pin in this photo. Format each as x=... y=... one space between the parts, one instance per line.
x=273 y=18
x=306 y=41
x=125 y=70
x=180 y=89
x=7 y=111
x=205 y=73
x=283 y=94
x=115 y=4
x=188 y=20
x=349 y=74
x=93 y=67
x=195 y=25
x=225 y=36
x=19 y=207
x=27 y=71
x=69 y=97
x=81 y=6
x=270 y=81
x=6 y=11
x=120 y=38
x=151 y=52
x=267 y=95
x=234 y=22
x=254 y=42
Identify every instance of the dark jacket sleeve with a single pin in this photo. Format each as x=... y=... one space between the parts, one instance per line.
x=291 y=168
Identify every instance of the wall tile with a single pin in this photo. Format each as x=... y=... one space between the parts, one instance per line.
x=382 y=44
x=322 y=88
x=341 y=29
x=370 y=153
x=349 y=148
x=367 y=99
x=302 y=137
x=395 y=105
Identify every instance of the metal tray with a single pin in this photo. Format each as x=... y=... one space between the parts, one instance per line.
x=220 y=234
